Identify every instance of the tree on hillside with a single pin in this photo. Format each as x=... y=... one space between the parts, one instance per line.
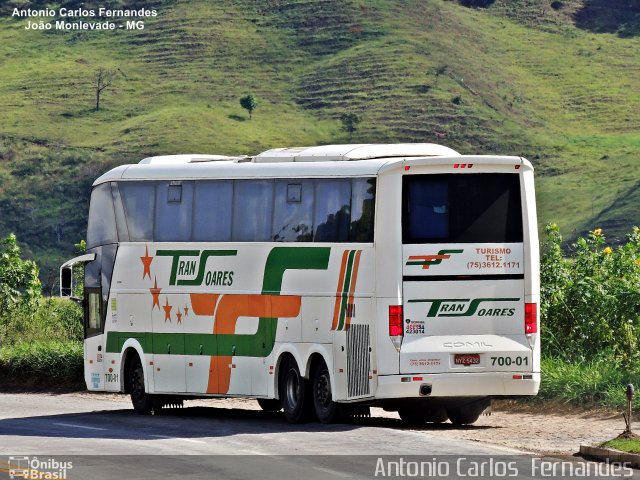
x=19 y=283
x=103 y=79
x=350 y=122
x=249 y=103
x=439 y=71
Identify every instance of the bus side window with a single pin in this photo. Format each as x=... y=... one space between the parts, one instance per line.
x=363 y=199
x=121 y=219
x=174 y=209
x=139 y=200
x=293 y=211
x=212 y=211
x=332 y=211
x=252 y=210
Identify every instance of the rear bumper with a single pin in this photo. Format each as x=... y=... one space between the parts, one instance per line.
x=493 y=384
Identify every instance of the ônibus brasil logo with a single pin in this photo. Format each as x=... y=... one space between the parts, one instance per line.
x=466 y=307
x=427 y=260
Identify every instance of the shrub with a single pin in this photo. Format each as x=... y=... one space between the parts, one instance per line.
x=590 y=302
x=249 y=103
x=350 y=122
x=51 y=362
x=598 y=381
x=19 y=283
x=51 y=319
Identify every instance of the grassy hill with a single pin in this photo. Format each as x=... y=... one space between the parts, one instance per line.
x=557 y=84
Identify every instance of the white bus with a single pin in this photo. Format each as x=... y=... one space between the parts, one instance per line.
x=318 y=280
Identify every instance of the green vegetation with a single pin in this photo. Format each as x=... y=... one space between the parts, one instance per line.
x=599 y=382
x=40 y=339
x=249 y=103
x=42 y=345
x=350 y=123
x=42 y=363
x=19 y=283
x=554 y=84
x=631 y=445
x=590 y=300
x=590 y=320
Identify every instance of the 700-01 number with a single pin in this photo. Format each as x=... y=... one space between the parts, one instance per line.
x=508 y=361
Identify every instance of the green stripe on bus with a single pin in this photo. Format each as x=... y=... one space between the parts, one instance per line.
x=207 y=344
x=281 y=259
x=291 y=258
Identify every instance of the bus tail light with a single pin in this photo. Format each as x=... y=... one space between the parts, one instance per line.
x=396 y=329
x=530 y=318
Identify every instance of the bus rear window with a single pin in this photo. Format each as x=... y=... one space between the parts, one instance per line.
x=461 y=208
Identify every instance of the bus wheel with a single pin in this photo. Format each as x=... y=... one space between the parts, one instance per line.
x=326 y=409
x=142 y=401
x=269 y=404
x=293 y=392
x=415 y=417
x=467 y=414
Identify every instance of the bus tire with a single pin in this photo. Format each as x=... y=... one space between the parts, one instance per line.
x=327 y=411
x=142 y=401
x=467 y=414
x=269 y=404
x=415 y=416
x=294 y=392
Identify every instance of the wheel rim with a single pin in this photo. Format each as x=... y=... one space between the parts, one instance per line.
x=323 y=390
x=293 y=386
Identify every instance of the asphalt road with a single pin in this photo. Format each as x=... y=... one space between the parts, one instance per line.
x=104 y=439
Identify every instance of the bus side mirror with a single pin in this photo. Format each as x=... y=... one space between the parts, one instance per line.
x=66 y=276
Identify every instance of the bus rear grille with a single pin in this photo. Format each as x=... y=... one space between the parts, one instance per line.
x=358 y=360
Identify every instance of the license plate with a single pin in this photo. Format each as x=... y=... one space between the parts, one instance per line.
x=466 y=359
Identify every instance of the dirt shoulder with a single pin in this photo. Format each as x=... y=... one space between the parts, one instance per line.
x=541 y=428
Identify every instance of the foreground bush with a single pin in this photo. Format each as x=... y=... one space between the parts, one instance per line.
x=598 y=382
x=49 y=319
x=41 y=344
x=53 y=363
x=590 y=305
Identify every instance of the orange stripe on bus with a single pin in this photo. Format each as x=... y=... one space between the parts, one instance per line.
x=354 y=279
x=204 y=303
x=219 y=374
x=336 y=309
x=253 y=305
x=231 y=308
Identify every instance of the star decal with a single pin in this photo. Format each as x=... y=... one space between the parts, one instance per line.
x=186 y=311
x=155 y=293
x=179 y=315
x=167 y=311
x=146 y=263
